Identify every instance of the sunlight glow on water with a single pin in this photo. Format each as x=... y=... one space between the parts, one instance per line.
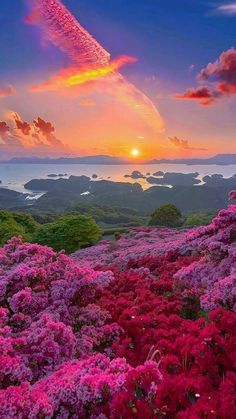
x=14 y=176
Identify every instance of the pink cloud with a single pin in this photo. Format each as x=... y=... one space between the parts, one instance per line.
x=222 y=70
x=21 y=138
x=88 y=62
x=23 y=126
x=205 y=95
x=45 y=128
x=4 y=129
x=221 y=76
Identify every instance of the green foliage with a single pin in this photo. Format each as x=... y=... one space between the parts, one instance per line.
x=112 y=231
x=108 y=215
x=70 y=233
x=198 y=220
x=26 y=221
x=9 y=227
x=167 y=215
x=43 y=216
x=16 y=224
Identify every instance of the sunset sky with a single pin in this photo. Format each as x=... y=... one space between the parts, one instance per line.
x=167 y=44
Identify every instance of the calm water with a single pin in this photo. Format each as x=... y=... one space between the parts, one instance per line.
x=14 y=176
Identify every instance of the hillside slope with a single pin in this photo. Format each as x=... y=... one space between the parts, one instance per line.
x=141 y=327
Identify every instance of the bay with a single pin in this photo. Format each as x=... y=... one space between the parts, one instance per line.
x=14 y=176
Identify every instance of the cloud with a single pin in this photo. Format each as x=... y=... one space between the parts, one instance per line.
x=4 y=129
x=7 y=91
x=205 y=95
x=8 y=141
x=23 y=126
x=43 y=127
x=62 y=29
x=72 y=77
x=222 y=70
x=221 y=79
x=91 y=68
x=192 y=67
x=21 y=138
x=47 y=130
x=227 y=9
x=183 y=144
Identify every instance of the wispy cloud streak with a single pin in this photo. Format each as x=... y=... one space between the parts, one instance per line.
x=64 y=31
x=227 y=9
x=72 y=77
x=91 y=66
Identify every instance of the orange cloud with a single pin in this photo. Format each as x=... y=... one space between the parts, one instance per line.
x=4 y=129
x=72 y=77
x=135 y=99
x=91 y=70
x=45 y=128
x=20 y=136
x=23 y=126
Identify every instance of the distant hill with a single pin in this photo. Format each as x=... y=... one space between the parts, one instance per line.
x=106 y=160
x=219 y=159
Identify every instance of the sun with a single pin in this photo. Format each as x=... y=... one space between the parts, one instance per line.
x=135 y=152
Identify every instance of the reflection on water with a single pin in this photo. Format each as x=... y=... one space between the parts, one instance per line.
x=14 y=176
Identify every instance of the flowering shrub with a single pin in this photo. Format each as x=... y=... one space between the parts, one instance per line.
x=213 y=276
x=143 y=327
x=82 y=388
x=47 y=315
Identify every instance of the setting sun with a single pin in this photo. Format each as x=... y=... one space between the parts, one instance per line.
x=135 y=152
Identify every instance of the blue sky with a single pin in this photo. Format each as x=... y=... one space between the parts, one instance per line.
x=167 y=37
x=162 y=33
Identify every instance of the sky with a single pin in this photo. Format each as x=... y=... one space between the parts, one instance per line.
x=162 y=98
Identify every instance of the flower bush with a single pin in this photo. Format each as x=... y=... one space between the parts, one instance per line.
x=143 y=327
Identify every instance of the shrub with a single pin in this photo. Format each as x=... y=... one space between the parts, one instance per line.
x=167 y=215
x=70 y=233
x=9 y=227
x=26 y=221
x=108 y=215
x=143 y=329
x=16 y=224
x=197 y=220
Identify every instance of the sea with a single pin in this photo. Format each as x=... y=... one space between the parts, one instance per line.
x=14 y=176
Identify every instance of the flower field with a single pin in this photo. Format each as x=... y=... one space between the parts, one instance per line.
x=144 y=327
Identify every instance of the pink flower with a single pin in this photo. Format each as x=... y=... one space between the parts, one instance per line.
x=232 y=195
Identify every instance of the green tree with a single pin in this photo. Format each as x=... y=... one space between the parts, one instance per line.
x=198 y=220
x=26 y=221
x=167 y=215
x=70 y=233
x=9 y=227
